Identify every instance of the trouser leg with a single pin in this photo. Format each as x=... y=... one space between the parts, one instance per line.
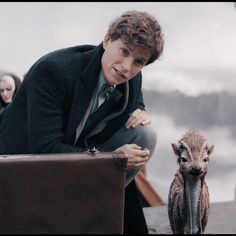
x=144 y=136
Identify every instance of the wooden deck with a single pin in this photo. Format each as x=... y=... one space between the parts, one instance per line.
x=222 y=219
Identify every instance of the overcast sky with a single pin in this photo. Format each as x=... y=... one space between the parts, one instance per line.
x=199 y=53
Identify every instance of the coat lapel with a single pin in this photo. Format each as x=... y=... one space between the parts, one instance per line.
x=86 y=78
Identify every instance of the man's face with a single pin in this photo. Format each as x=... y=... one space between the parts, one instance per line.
x=120 y=63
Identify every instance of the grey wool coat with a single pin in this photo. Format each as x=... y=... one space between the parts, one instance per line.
x=52 y=100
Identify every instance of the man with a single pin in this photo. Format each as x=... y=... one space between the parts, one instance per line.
x=57 y=106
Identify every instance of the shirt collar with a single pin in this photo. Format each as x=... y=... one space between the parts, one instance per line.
x=101 y=80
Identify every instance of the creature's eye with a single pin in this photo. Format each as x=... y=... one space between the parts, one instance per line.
x=183 y=159
x=206 y=159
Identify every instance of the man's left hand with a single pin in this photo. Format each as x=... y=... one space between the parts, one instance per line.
x=137 y=118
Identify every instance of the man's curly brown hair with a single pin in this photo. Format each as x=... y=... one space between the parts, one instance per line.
x=140 y=29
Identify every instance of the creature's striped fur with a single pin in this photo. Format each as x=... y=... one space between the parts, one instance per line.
x=188 y=200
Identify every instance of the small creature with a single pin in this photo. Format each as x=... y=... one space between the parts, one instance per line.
x=188 y=199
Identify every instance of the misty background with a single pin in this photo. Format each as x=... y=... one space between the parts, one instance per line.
x=192 y=85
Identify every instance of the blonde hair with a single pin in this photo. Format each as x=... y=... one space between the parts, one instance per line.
x=9 y=80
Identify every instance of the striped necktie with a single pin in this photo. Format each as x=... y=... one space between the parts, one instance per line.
x=110 y=97
x=103 y=94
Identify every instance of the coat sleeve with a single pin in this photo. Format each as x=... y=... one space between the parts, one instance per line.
x=140 y=103
x=47 y=99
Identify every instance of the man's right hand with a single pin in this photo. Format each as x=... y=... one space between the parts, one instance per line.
x=137 y=157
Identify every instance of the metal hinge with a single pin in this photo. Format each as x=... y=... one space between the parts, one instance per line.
x=92 y=150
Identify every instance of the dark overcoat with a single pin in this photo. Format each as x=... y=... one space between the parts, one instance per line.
x=51 y=102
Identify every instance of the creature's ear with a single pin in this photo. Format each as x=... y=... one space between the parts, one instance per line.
x=210 y=150
x=176 y=148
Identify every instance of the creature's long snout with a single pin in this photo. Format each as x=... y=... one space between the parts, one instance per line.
x=196 y=170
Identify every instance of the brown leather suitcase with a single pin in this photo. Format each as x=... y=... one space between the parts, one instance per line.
x=62 y=193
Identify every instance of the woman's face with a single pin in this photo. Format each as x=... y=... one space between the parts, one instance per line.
x=7 y=89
